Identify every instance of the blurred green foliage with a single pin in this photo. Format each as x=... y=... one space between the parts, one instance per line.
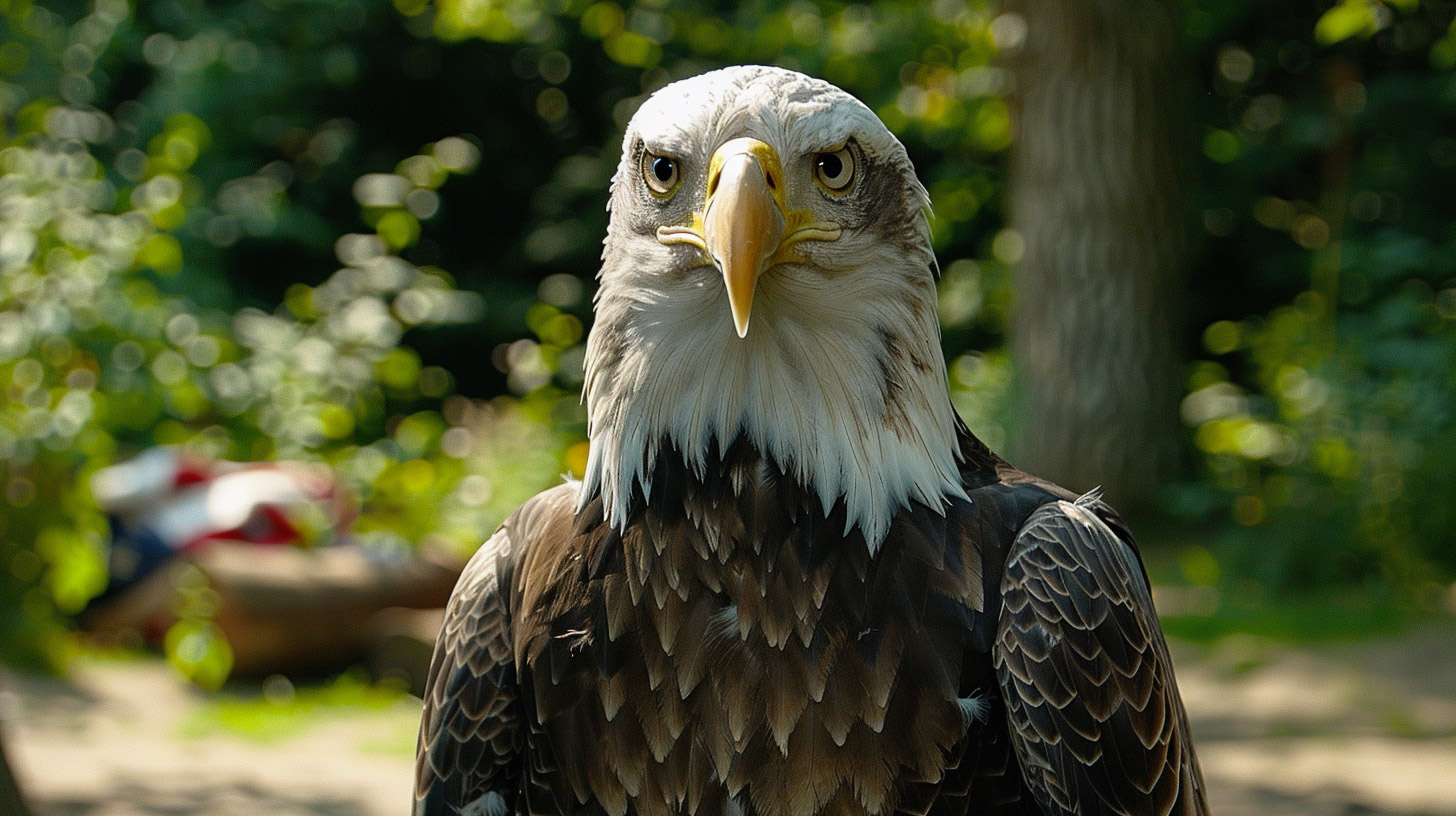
x=1323 y=405
x=106 y=347
x=218 y=228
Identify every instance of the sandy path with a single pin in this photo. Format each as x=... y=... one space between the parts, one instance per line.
x=1348 y=729
x=111 y=743
x=1366 y=728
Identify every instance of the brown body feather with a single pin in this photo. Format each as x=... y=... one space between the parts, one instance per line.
x=733 y=651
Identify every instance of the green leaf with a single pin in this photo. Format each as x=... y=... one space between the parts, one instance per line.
x=632 y=49
x=1350 y=18
x=1443 y=51
x=199 y=652
x=77 y=568
x=1222 y=146
x=399 y=229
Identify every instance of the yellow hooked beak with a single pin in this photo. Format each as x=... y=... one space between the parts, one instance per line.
x=743 y=218
x=745 y=228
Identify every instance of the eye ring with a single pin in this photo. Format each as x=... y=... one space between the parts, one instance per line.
x=835 y=170
x=661 y=173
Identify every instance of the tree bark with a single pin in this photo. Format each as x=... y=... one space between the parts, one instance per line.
x=1096 y=199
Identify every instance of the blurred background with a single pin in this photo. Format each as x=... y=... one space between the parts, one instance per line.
x=293 y=296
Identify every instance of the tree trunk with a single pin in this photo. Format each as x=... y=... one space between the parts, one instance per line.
x=1095 y=196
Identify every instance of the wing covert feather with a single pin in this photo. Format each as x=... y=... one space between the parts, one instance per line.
x=468 y=760
x=1090 y=695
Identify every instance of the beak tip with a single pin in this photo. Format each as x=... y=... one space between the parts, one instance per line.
x=741 y=327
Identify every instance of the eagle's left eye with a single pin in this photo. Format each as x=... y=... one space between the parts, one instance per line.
x=835 y=170
x=660 y=172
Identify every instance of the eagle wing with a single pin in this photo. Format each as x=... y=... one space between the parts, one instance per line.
x=468 y=760
x=1091 y=701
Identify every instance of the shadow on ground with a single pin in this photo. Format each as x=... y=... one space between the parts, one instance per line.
x=243 y=799
x=1271 y=802
x=1332 y=730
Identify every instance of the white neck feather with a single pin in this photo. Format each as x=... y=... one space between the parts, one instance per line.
x=840 y=381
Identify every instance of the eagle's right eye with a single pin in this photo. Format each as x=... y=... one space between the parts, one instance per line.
x=835 y=169
x=661 y=173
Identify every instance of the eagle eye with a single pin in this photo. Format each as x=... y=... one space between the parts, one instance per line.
x=835 y=170
x=661 y=173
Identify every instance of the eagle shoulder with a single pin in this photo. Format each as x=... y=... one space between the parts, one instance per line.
x=471 y=733
x=1091 y=701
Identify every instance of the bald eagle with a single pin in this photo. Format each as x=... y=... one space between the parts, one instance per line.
x=791 y=581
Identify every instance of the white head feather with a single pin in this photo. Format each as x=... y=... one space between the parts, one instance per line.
x=840 y=381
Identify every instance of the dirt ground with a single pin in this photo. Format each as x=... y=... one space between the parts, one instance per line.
x=1362 y=728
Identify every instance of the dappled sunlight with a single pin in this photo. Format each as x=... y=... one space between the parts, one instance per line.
x=360 y=237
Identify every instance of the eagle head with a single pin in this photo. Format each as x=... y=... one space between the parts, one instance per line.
x=767 y=274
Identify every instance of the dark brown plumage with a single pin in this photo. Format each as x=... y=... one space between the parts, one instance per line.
x=696 y=629
x=636 y=686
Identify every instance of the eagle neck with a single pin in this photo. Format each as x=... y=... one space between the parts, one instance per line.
x=860 y=459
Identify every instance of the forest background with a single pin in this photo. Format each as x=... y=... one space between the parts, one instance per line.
x=1201 y=253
